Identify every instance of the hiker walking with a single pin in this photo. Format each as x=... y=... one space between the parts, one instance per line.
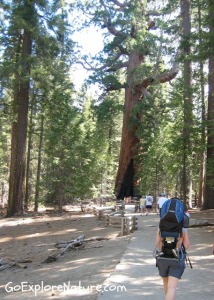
x=172 y=242
x=161 y=201
x=149 y=202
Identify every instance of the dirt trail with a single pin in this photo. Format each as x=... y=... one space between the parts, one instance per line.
x=78 y=273
x=33 y=238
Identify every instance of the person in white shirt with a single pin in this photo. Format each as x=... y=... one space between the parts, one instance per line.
x=161 y=201
x=149 y=201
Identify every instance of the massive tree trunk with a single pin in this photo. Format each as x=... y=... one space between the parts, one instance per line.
x=129 y=142
x=209 y=191
x=127 y=180
x=19 y=132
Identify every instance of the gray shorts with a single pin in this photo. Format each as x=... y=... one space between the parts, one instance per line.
x=170 y=267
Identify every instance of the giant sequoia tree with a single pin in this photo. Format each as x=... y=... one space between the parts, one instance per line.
x=132 y=49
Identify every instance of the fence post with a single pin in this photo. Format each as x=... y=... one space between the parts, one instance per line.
x=122 y=226
x=107 y=220
x=128 y=225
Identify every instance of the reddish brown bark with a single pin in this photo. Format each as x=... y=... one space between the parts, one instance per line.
x=19 y=133
x=126 y=180
x=209 y=191
x=129 y=140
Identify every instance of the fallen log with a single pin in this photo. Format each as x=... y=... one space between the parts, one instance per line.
x=65 y=244
x=77 y=242
x=7 y=263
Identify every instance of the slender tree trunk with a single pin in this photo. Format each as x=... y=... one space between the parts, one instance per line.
x=203 y=114
x=4 y=169
x=209 y=192
x=190 y=188
x=187 y=98
x=36 y=206
x=28 y=171
x=59 y=194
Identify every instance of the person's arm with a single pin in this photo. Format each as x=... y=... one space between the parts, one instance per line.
x=185 y=238
x=158 y=240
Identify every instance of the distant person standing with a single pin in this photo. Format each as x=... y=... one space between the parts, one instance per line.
x=127 y=199
x=149 y=202
x=142 y=204
x=161 y=201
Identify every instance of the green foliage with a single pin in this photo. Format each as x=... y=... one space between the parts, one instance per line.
x=81 y=137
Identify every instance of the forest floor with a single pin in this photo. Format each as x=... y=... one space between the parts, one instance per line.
x=31 y=239
x=78 y=274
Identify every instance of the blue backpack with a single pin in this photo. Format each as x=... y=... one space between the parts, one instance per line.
x=172 y=219
x=171 y=223
x=172 y=216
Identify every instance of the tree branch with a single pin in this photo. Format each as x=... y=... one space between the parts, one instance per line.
x=153 y=13
x=107 y=65
x=151 y=25
x=123 y=50
x=112 y=87
x=121 y=5
x=162 y=78
x=114 y=31
x=118 y=67
x=109 y=25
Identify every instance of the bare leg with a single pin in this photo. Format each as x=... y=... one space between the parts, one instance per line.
x=171 y=288
x=165 y=284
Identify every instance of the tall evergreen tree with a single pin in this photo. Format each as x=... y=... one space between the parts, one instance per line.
x=129 y=45
x=36 y=34
x=23 y=22
x=187 y=100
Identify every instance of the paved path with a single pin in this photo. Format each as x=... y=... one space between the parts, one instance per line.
x=136 y=276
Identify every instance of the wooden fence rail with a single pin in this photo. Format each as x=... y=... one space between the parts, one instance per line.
x=103 y=211
x=126 y=224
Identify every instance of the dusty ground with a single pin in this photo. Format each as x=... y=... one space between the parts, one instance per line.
x=203 y=215
x=75 y=275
